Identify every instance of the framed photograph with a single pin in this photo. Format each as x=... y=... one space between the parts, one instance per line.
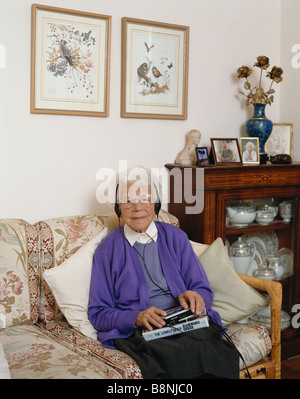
x=250 y=150
x=154 y=71
x=202 y=156
x=280 y=140
x=226 y=151
x=70 y=62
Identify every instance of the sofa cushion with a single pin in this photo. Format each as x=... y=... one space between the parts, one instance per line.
x=66 y=335
x=19 y=272
x=33 y=353
x=70 y=285
x=252 y=341
x=233 y=299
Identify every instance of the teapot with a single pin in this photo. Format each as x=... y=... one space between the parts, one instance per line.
x=268 y=208
x=241 y=255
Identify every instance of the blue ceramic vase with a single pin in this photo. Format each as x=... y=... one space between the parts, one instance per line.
x=259 y=126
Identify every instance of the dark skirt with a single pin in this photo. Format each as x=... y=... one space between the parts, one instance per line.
x=202 y=353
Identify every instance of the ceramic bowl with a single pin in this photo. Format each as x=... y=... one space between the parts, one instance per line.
x=241 y=216
x=264 y=217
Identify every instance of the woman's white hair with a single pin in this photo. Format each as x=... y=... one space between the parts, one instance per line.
x=136 y=179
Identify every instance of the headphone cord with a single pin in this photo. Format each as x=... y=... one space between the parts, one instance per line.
x=147 y=270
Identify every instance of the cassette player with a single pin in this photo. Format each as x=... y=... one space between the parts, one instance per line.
x=178 y=315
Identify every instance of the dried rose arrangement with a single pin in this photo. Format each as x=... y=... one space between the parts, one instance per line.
x=257 y=94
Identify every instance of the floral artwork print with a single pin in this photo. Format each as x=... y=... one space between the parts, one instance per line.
x=70 y=59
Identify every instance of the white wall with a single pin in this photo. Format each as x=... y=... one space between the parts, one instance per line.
x=48 y=163
x=290 y=60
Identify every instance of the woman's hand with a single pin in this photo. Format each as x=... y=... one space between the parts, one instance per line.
x=192 y=300
x=150 y=316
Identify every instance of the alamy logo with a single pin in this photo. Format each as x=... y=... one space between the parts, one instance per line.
x=188 y=185
x=296 y=57
x=296 y=318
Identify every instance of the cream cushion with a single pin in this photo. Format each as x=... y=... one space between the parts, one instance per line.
x=70 y=285
x=233 y=299
x=199 y=248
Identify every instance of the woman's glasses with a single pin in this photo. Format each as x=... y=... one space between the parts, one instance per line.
x=145 y=201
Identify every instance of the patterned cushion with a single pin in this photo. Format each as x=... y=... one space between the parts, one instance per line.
x=32 y=352
x=251 y=340
x=19 y=272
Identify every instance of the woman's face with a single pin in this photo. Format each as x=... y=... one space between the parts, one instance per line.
x=138 y=212
x=277 y=143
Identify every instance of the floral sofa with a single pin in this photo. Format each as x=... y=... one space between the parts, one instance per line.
x=44 y=278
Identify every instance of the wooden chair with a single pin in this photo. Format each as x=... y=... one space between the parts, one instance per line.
x=270 y=366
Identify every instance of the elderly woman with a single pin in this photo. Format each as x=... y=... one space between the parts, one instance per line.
x=141 y=270
x=249 y=155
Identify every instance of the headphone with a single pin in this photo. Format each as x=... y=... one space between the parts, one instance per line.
x=157 y=204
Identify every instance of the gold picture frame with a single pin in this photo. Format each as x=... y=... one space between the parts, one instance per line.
x=154 y=69
x=280 y=140
x=249 y=147
x=70 y=62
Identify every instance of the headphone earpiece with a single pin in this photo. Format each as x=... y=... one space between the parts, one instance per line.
x=157 y=205
x=117 y=205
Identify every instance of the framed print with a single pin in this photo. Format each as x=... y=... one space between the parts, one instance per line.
x=226 y=151
x=202 y=156
x=154 y=70
x=250 y=150
x=70 y=62
x=280 y=140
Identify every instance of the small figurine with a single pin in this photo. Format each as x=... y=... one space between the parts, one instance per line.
x=188 y=155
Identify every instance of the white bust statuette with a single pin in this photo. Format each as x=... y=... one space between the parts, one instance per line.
x=188 y=155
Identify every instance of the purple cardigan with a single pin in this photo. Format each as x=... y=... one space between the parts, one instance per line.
x=119 y=290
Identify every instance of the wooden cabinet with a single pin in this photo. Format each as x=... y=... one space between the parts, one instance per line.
x=220 y=185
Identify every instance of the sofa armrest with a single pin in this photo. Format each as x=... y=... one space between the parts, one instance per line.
x=274 y=289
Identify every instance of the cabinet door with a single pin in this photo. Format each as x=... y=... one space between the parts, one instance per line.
x=284 y=234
